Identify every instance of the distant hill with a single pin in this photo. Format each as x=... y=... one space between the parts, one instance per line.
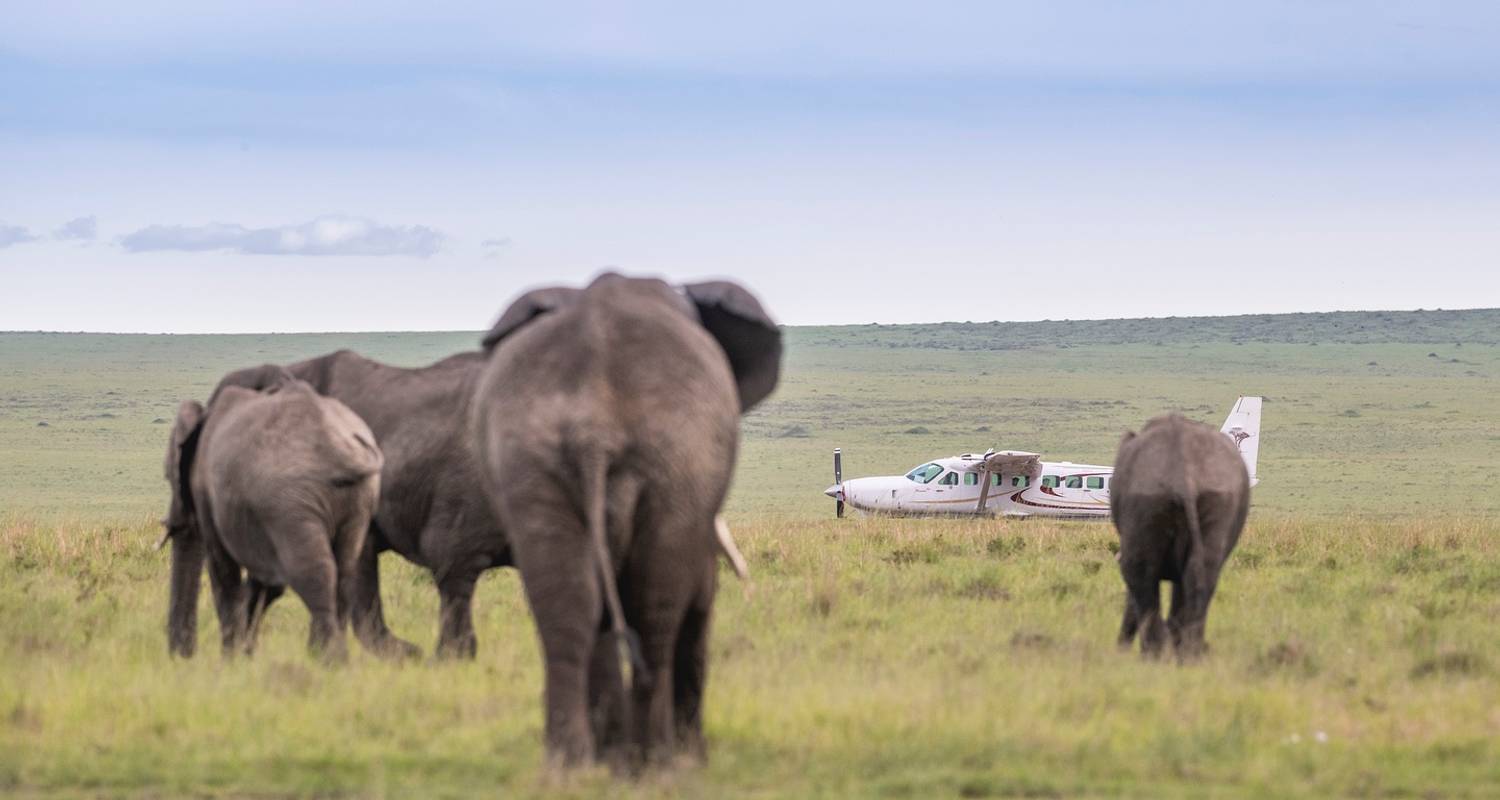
x=1475 y=326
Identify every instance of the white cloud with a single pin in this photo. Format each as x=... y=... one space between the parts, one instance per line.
x=14 y=234
x=325 y=236
x=83 y=229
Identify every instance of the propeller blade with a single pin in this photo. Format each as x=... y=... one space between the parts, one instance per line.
x=838 y=480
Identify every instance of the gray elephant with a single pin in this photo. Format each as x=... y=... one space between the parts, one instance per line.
x=431 y=509
x=280 y=484
x=608 y=421
x=1179 y=497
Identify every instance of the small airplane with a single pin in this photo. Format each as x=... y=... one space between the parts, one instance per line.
x=1012 y=483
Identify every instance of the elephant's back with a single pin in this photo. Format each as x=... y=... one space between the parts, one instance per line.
x=290 y=440
x=1173 y=455
x=682 y=412
x=627 y=375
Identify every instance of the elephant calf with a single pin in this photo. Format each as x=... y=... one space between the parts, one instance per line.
x=1178 y=497
x=280 y=483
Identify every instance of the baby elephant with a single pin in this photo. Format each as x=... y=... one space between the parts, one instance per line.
x=280 y=483
x=1179 y=497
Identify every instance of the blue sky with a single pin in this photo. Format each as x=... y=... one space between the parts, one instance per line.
x=363 y=166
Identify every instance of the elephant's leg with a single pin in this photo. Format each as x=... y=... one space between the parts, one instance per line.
x=258 y=600
x=562 y=586
x=348 y=542
x=651 y=712
x=1129 y=624
x=690 y=676
x=456 y=621
x=366 y=611
x=1145 y=595
x=659 y=593
x=1177 y=613
x=1199 y=581
x=1139 y=567
x=308 y=561
x=608 y=703
x=226 y=582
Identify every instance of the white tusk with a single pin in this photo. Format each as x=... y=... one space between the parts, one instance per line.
x=164 y=538
x=726 y=543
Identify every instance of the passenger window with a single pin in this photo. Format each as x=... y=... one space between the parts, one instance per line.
x=1020 y=480
x=995 y=479
x=971 y=479
x=1049 y=481
x=1096 y=482
x=1074 y=482
x=951 y=479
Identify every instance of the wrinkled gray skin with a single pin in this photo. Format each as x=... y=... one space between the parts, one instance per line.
x=431 y=509
x=608 y=420
x=280 y=484
x=1178 y=497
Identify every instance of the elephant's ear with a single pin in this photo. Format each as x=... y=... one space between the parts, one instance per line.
x=526 y=308
x=749 y=336
x=181 y=451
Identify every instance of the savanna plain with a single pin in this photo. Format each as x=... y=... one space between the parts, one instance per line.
x=1355 y=650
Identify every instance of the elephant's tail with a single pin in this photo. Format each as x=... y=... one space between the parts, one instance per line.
x=1190 y=504
x=595 y=470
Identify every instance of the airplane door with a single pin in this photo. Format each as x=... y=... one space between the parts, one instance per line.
x=969 y=489
x=945 y=488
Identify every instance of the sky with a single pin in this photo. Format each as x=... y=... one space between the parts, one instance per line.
x=217 y=167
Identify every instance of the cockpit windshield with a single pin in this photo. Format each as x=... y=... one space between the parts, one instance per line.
x=925 y=473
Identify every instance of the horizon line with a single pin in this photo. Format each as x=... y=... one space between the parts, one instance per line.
x=813 y=325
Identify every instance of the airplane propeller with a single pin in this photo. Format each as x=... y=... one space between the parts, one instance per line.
x=838 y=480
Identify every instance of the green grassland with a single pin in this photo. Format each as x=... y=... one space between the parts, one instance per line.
x=1354 y=642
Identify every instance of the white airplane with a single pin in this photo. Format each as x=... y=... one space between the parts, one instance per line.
x=1012 y=483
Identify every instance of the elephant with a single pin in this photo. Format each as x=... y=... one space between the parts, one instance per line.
x=278 y=483
x=1179 y=497
x=607 y=422
x=431 y=510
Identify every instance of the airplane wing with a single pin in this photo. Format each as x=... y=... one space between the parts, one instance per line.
x=1008 y=462
x=1012 y=462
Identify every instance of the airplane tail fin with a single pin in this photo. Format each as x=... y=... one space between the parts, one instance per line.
x=1243 y=428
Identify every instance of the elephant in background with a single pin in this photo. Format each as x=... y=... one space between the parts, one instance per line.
x=1179 y=498
x=431 y=509
x=607 y=421
x=281 y=484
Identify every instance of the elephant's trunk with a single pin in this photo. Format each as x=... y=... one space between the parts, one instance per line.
x=187 y=577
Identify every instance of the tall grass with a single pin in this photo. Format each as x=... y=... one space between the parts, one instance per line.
x=865 y=657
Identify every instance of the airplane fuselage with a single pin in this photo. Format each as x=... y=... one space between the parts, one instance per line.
x=1063 y=489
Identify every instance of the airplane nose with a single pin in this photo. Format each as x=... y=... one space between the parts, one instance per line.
x=834 y=491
